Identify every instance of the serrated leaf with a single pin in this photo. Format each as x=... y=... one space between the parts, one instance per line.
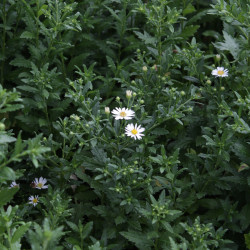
x=87 y=229
x=20 y=61
x=138 y=238
x=230 y=44
x=148 y=39
x=28 y=35
x=20 y=232
x=73 y=226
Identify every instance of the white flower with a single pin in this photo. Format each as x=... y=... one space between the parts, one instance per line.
x=14 y=185
x=134 y=131
x=220 y=72
x=123 y=113
x=33 y=200
x=40 y=184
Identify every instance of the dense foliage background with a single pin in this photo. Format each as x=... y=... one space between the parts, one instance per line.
x=185 y=184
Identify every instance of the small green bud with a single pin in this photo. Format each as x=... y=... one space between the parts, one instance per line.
x=2 y=126
x=138 y=50
x=141 y=101
x=208 y=82
x=133 y=82
x=222 y=88
x=134 y=94
x=217 y=58
x=144 y=68
x=118 y=99
x=183 y=93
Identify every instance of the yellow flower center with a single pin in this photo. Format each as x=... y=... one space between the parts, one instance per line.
x=40 y=185
x=122 y=114
x=134 y=131
x=220 y=72
x=35 y=200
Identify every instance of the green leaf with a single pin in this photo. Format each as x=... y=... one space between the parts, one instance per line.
x=7 y=173
x=27 y=35
x=87 y=229
x=6 y=139
x=20 y=232
x=20 y=61
x=148 y=39
x=73 y=226
x=6 y=195
x=247 y=240
x=189 y=9
x=173 y=244
x=138 y=238
x=189 y=31
x=230 y=44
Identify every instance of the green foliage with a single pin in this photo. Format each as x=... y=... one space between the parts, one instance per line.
x=65 y=66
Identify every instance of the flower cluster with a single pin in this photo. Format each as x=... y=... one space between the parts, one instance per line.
x=37 y=183
x=131 y=130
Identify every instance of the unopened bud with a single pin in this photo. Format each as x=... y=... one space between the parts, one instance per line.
x=144 y=68
x=183 y=93
x=222 y=88
x=117 y=98
x=107 y=110
x=2 y=126
x=129 y=94
x=134 y=94
x=208 y=82
x=217 y=57
x=141 y=101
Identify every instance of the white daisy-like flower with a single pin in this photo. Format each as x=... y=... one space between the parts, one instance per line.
x=33 y=200
x=220 y=72
x=40 y=184
x=14 y=185
x=134 y=131
x=123 y=113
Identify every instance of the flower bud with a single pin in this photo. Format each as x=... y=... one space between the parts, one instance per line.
x=217 y=58
x=183 y=93
x=141 y=101
x=107 y=110
x=117 y=98
x=2 y=126
x=134 y=94
x=208 y=82
x=144 y=68
x=222 y=88
x=133 y=82
x=138 y=50
x=129 y=94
